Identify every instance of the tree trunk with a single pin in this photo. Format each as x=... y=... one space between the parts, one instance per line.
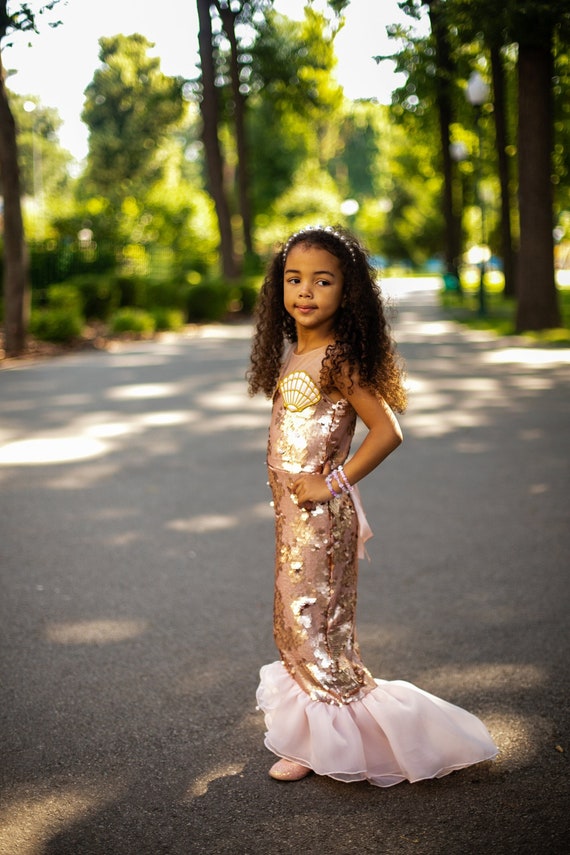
x=536 y=288
x=228 y=20
x=16 y=282
x=210 y=120
x=445 y=114
x=503 y=169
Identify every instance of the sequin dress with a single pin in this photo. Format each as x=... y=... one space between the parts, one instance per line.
x=322 y=706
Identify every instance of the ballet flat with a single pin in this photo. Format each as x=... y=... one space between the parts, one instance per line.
x=286 y=770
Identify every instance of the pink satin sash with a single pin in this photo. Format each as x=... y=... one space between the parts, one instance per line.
x=364 y=530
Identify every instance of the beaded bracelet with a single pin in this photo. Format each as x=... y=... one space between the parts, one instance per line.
x=343 y=481
x=332 y=490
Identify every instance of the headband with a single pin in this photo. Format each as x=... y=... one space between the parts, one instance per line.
x=306 y=232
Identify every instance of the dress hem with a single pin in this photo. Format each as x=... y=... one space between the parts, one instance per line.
x=396 y=732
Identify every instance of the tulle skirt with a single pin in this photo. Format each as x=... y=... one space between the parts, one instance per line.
x=393 y=733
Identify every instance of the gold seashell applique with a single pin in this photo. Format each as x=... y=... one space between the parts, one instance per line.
x=299 y=391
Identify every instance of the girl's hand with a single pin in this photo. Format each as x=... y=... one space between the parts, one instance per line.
x=310 y=488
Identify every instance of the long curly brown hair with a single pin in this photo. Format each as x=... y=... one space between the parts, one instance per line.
x=363 y=343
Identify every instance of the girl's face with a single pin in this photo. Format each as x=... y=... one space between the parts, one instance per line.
x=312 y=287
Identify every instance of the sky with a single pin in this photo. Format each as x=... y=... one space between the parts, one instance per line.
x=60 y=62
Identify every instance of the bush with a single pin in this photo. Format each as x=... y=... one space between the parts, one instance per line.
x=61 y=319
x=249 y=295
x=132 y=320
x=64 y=296
x=54 y=260
x=207 y=301
x=99 y=293
x=165 y=294
x=48 y=263
x=56 y=324
x=167 y=319
x=132 y=291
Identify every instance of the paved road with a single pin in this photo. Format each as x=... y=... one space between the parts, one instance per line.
x=136 y=560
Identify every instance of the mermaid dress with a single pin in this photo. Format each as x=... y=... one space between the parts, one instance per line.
x=322 y=707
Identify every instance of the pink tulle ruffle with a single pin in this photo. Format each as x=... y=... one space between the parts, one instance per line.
x=395 y=732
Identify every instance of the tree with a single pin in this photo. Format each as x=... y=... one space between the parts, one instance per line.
x=238 y=73
x=445 y=70
x=295 y=103
x=233 y=15
x=16 y=276
x=503 y=164
x=533 y=27
x=130 y=107
x=210 y=110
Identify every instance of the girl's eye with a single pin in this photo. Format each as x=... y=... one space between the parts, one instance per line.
x=295 y=280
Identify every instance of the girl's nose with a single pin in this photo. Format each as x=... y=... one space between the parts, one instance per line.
x=305 y=289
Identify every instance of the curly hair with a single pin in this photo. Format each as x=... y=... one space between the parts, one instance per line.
x=363 y=343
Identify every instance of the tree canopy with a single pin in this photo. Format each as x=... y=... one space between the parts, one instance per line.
x=130 y=107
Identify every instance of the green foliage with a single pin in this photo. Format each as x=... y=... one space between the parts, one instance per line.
x=166 y=294
x=99 y=292
x=57 y=325
x=132 y=291
x=132 y=320
x=293 y=103
x=207 y=301
x=171 y=320
x=95 y=214
x=61 y=320
x=47 y=264
x=63 y=258
x=179 y=217
x=23 y=18
x=64 y=296
x=247 y=297
x=561 y=153
x=313 y=197
x=528 y=22
x=356 y=162
x=130 y=107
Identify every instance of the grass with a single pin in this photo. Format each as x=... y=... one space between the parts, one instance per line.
x=500 y=312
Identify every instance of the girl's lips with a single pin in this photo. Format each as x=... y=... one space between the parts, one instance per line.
x=306 y=309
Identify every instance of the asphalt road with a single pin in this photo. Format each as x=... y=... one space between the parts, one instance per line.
x=136 y=552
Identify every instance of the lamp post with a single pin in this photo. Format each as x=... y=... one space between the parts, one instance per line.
x=477 y=94
x=458 y=152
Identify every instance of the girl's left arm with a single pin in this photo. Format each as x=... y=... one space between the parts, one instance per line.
x=384 y=435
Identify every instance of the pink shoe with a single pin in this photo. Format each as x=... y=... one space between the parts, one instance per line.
x=286 y=770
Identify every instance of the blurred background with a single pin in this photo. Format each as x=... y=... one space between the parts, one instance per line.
x=150 y=164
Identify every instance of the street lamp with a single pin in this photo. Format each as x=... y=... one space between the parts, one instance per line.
x=458 y=153
x=477 y=94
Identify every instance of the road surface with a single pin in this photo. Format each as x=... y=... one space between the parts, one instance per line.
x=136 y=552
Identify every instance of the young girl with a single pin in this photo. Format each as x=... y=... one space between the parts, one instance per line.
x=322 y=349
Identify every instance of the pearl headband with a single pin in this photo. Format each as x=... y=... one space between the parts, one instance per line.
x=328 y=229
